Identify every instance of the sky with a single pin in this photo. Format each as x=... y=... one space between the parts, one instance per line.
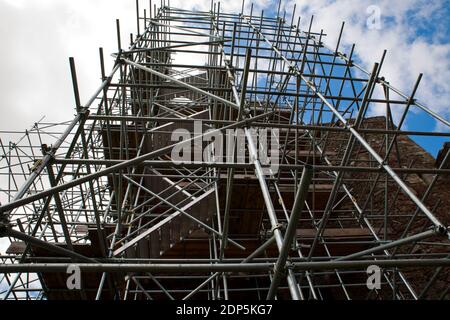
x=39 y=36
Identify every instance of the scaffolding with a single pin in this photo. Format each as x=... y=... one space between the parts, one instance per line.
x=340 y=193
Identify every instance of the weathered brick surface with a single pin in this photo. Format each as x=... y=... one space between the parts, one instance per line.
x=400 y=207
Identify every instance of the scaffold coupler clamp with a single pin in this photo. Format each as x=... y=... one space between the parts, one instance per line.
x=282 y=270
x=47 y=151
x=443 y=230
x=84 y=113
x=5 y=225
x=278 y=226
x=289 y=266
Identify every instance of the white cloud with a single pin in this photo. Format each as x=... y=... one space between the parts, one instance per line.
x=39 y=36
x=408 y=53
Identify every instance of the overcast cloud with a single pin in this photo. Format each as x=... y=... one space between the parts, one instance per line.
x=38 y=37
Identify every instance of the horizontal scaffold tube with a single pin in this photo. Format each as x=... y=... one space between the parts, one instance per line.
x=219 y=267
x=199 y=164
x=122 y=165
